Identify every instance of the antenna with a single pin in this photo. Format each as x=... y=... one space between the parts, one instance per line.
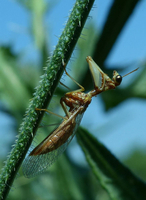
x=131 y=72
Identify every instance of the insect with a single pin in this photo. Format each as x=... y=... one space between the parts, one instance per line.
x=55 y=144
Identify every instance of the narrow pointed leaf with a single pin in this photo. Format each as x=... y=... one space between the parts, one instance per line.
x=116 y=179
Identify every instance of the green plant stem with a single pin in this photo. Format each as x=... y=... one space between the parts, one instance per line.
x=44 y=92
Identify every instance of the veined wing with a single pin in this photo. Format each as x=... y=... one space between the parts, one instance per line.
x=36 y=164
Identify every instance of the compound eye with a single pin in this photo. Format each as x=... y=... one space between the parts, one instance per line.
x=118 y=79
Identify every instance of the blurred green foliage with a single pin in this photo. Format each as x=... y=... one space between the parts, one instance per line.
x=65 y=179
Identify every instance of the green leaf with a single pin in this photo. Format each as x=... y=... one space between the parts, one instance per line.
x=115 y=178
x=117 y=18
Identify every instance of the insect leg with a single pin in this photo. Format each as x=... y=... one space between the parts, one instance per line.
x=45 y=110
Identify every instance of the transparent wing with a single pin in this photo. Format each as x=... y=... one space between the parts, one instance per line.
x=34 y=165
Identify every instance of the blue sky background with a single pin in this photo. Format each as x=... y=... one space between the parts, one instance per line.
x=126 y=121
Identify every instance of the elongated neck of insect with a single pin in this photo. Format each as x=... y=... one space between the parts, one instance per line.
x=95 y=92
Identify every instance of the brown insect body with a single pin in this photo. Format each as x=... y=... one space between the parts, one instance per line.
x=59 y=136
